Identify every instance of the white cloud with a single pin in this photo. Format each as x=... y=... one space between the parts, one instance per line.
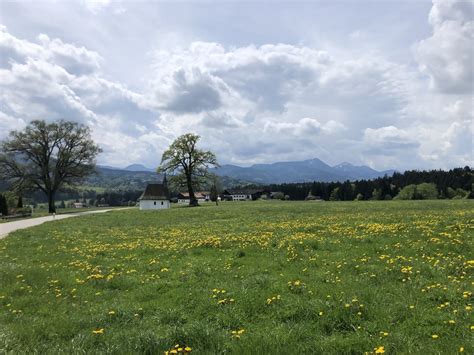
x=448 y=55
x=251 y=103
x=96 y=6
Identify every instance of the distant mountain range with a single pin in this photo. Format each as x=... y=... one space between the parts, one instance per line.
x=300 y=171
x=135 y=177
x=277 y=173
x=139 y=167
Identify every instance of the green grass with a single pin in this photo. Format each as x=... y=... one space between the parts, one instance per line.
x=347 y=277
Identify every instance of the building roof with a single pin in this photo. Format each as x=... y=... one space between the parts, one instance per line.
x=155 y=192
x=243 y=192
x=197 y=194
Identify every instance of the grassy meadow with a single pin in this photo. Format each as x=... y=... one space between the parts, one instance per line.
x=244 y=277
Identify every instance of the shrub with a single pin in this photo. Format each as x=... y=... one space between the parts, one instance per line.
x=426 y=191
x=407 y=193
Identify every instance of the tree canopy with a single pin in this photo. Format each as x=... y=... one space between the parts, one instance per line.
x=47 y=156
x=187 y=165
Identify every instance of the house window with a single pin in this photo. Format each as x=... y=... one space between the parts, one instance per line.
x=162 y=203
x=154 y=202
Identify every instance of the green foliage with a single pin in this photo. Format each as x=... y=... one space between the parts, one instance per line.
x=462 y=193
x=334 y=195
x=377 y=194
x=48 y=156
x=343 y=278
x=187 y=164
x=407 y=193
x=278 y=196
x=426 y=191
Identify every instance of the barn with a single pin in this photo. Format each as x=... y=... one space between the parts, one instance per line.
x=155 y=197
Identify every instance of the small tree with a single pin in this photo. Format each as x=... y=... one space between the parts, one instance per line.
x=186 y=164
x=62 y=204
x=377 y=194
x=407 y=193
x=215 y=189
x=47 y=156
x=278 y=196
x=427 y=191
x=334 y=195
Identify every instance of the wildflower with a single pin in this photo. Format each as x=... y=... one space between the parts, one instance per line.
x=461 y=349
x=237 y=333
x=111 y=312
x=379 y=350
x=98 y=331
x=435 y=336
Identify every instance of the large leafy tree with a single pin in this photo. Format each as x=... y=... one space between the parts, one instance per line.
x=47 y=156
x=186 y=164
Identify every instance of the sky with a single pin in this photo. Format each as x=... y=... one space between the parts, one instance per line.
x=387 y=84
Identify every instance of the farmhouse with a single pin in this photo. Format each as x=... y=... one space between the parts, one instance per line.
x=78 y=205
x=201 y=196
x=155 y=197
x=243 y=194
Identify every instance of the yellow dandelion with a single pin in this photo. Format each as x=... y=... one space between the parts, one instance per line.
x=98 y=331
x=435 y=336
x=379 y=350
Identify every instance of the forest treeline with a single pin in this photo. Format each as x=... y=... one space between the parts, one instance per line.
x=409 y=185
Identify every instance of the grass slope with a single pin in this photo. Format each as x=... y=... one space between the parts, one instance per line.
x=263 y=277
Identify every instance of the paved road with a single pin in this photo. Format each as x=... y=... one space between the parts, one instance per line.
x=9 y=227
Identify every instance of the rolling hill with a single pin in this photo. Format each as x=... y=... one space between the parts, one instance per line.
x=136 y=176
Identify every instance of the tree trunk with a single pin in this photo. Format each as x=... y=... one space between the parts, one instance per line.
x=51 y=200
x=20 y=202
x=192 y=199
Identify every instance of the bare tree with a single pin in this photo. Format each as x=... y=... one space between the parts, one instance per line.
x=46 y=156
x=187 y=165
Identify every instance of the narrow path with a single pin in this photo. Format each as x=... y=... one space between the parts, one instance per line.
x=8 y=227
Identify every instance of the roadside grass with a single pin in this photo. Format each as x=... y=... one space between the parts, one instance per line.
x=249 y=277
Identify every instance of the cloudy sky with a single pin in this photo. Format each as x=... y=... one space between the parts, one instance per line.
x=387 y=84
